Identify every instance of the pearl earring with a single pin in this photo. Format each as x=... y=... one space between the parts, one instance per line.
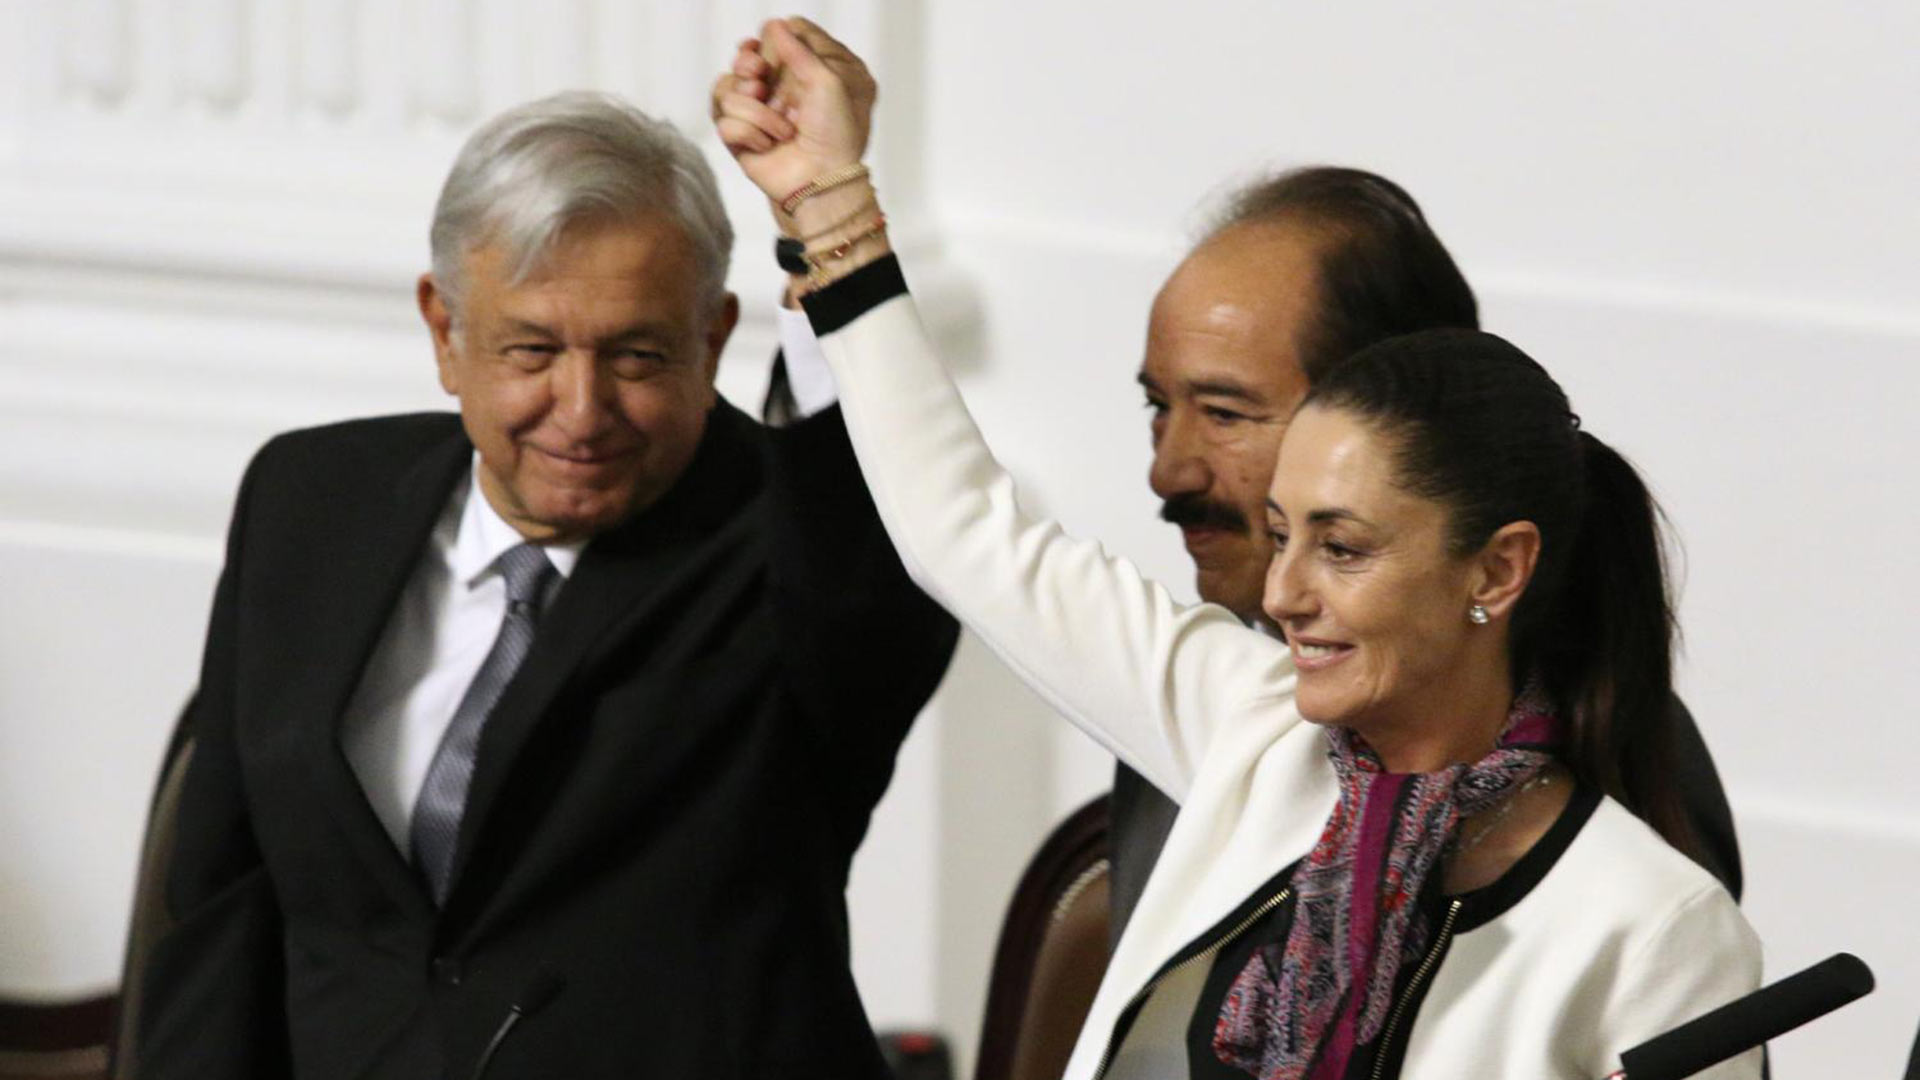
x=1477 y=615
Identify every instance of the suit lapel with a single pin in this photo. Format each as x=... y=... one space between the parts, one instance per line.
x=627 y=580
x=364 y=576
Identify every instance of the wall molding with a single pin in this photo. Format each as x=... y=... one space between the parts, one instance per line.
x=294 y=141
x=27 y=536
x=1161 y=250
x=1872 y=824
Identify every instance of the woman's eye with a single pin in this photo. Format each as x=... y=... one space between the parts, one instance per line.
x=1340 y=553
x=1279 y=539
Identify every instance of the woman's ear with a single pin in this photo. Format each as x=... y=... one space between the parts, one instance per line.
x=1504 y=566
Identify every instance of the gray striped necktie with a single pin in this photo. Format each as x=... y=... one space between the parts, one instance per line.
x=436 y=814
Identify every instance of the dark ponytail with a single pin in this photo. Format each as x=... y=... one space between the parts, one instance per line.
x=1486 y=432
x=1607 y=653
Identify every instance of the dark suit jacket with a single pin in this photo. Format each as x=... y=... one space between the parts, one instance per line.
x=664 y=808
x=1142 y=816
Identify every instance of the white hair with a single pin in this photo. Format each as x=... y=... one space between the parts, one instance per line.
x=535 y=169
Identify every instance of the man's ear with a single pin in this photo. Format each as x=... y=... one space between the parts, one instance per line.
x=1504 y=566
x=719 y=329
x=439 y=320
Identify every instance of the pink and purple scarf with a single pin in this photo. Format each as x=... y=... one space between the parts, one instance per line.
x=1298 y=1010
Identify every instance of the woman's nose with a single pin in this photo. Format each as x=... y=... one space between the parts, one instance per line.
x=1286 y=596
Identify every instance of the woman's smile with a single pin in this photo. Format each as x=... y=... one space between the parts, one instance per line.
x=1310 y=655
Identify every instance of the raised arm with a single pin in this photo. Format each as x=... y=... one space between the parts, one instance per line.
x=1151 y=679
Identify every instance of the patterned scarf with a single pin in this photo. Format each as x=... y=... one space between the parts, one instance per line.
x=1298 y=1009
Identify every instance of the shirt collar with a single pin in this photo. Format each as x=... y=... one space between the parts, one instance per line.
x=484 y=536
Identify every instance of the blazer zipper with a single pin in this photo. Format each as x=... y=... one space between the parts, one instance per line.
x=1141 y=995
x=1413 y=987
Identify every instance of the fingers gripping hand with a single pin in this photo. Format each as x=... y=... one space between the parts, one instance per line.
x=794 y=105
x=747 y=123
x=828 y=92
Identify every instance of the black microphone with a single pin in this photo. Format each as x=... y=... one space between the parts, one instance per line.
x=536 y=995
x=1749 y=1021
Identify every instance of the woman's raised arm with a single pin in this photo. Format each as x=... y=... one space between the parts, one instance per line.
x=1150 y=678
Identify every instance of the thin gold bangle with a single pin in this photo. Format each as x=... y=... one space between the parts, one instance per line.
x=846 y=174
x=865 y=207
x=818 y=276
x=839 y=251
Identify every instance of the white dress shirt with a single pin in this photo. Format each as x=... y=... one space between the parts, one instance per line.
x=450 y=611
x=808 y=375
x=435 y=641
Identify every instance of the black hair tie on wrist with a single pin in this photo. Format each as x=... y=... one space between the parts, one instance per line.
x=791 y=254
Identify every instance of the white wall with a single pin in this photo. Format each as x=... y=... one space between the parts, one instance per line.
x=1700 y=217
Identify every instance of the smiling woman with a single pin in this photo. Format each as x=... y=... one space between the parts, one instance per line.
x=1439 y=878
x=1365 y=587
x=1545 y=537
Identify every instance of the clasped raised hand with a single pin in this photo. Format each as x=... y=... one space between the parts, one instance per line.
x=795 y=106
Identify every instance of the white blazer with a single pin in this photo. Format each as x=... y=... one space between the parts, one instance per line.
x=1622 y=940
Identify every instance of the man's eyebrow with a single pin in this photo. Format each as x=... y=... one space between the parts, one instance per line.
x=1214 y=387
x=648 y=330
x=522 y=326
x=1224 y=388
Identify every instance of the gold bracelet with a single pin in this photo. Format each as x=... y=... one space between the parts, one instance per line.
x=846 y=174
x=869 y=205
x=839 y=250
x=817 y=275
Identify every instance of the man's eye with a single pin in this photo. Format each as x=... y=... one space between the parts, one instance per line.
x=530 y=357
x=1156 y=406
x=1278 y=538
x=637 y=363
x=1224 y=416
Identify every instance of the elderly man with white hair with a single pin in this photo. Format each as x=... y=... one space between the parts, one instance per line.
x=536 y=740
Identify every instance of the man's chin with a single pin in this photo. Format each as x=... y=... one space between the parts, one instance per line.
x=1230 y=591
x=573 y=522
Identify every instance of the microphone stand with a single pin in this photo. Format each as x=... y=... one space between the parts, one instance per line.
x=536 y=995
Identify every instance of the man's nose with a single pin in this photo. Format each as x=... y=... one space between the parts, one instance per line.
x=1179 y=466
x=582 y=394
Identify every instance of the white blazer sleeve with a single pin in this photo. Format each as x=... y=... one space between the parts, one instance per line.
x=1151 y=679
x=1663 y=982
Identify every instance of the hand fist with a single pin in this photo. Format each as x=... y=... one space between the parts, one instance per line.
x=795 y=105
